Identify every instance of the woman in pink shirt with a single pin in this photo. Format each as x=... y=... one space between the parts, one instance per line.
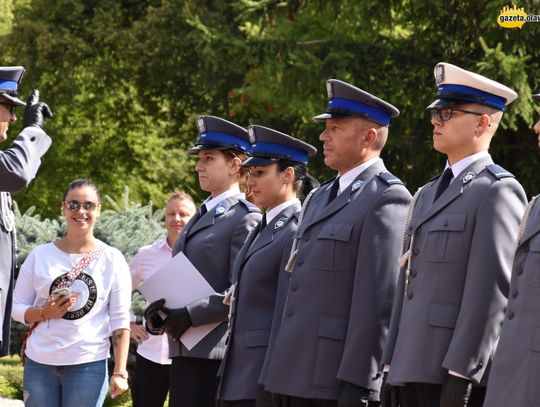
x=151 y=378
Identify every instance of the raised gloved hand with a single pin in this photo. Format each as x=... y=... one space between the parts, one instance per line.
x=455 y=392
x=36 y=112
x=352 y=395
x=155 y=324
x=177 y=322
x=389 y=393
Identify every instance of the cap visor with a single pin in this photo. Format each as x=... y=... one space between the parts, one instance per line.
x=441 y=103
x=259 y=161
x=13 y=99
x=336 y=115
x=322 y=117
x=195 y=150
x=536 y=97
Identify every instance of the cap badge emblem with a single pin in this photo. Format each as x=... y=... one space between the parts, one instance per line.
x=329 y=90
x=200 y=125
x=439 y=74
x=251 y=133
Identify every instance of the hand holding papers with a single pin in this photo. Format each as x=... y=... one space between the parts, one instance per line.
x=180 y=284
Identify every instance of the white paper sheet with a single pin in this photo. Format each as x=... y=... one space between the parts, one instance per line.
x=180 y=284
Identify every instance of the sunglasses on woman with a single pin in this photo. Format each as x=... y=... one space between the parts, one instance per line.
x=10 y=107
x=74 y=205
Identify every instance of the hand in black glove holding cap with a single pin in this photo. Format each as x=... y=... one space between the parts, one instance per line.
x=36 y=112
x=155 y=324
x=177 y=322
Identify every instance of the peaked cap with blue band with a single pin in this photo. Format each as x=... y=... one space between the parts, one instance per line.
x=220 y=134
x=456 y=86
x=345 y=100
x=270 y=146
x=10 y=77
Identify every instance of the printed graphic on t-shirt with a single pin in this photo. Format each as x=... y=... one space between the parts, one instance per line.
x=83 y=289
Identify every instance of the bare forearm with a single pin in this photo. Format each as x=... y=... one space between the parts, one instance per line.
x=120 y=340
x=53 y=308
x=35 y=314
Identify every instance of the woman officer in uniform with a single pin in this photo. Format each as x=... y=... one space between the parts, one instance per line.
x=210 y=240
x=278 y=176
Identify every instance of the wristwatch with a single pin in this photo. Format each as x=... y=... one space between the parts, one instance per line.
x=123 y=374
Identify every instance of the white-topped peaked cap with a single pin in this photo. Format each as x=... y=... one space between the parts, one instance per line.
x=458 y=86
x=10 y=77
x=346 y=100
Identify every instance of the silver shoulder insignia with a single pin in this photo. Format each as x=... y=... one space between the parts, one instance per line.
x=221 y=209
x=357 y=185
x=468 y=177
x=280 y=222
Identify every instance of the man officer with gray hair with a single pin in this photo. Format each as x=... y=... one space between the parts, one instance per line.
x=329 y=344
x=18 y=166
x=459 y=243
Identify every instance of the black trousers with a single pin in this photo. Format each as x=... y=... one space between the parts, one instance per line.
x=263 y=399
x=429 y=395
x=280 y=400
x=193 y=382
x=150 y=383
x=236 y=403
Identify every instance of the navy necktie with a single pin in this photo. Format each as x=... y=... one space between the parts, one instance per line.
x=262 y=225
x=443 y=182
x=200 y=212
x=203 y=209
x=334 y=190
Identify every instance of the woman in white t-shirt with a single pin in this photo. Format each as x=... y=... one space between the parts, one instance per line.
x=76 y=293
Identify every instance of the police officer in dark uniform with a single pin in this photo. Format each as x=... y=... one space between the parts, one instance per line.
x=459 y=245
x=513 y=380
x=18 y=166
x=329 y=344
x=210 y=240
x=278 y=174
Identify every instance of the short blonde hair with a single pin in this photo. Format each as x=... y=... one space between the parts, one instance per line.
x=179 y=194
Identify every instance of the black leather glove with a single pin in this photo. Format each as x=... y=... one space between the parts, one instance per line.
x=36 y=112
x=352 y=395
x=155 y=324
x=389 y=393
x=177 y=322
x=455 y=392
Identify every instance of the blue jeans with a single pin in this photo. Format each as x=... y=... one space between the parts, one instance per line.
x=83 y=385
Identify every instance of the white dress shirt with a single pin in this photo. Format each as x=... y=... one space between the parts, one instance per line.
x=145 y=263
